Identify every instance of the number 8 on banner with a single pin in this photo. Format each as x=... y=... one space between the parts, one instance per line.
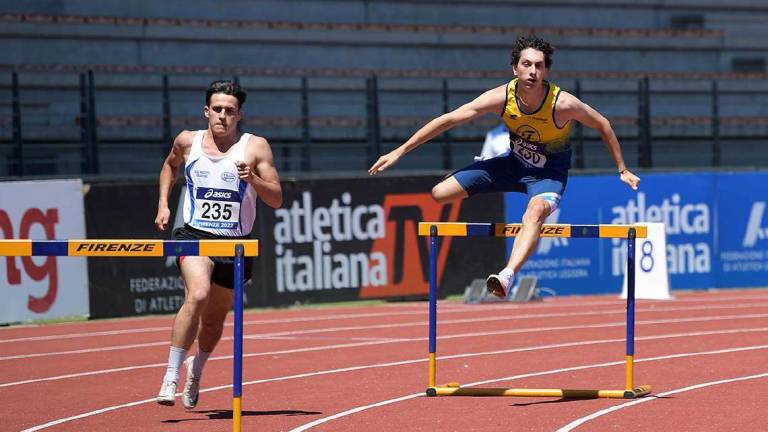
x=652 y=281
x=646 y=257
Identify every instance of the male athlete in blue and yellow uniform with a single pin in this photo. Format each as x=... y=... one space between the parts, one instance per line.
x=539 y=117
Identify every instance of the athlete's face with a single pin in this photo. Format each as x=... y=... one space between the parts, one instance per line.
x=223 y=114
x=531 y=69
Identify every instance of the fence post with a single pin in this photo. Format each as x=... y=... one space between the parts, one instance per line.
x=374 y=133
x=716 y=148
x=18 y=143
x=645 y=156
x=93 y=150
x=83 y=120
x=306 y=139
x=447 y=139
x=167 y=138
x=579 y=132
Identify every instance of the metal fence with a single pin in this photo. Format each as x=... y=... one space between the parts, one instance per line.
x=115 y=124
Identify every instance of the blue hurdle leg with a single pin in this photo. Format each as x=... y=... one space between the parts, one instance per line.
x=433 y=250
x=630 y=308
x=237 y=385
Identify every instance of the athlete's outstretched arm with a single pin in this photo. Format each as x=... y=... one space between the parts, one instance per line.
x=491 y=101
x=571 y=108
x=168 y=174
x=259 y=171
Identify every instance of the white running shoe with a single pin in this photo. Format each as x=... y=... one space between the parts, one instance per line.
x=167 y=394
x=500 y=284
x=191 y=386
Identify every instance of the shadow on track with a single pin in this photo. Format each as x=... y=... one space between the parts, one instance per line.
x=227 y=414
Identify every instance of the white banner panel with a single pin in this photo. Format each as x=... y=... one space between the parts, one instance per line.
x=651 y=272
x=34 y=288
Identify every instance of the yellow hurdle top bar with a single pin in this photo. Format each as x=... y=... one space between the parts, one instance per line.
x=465 y=229
x=127 y=248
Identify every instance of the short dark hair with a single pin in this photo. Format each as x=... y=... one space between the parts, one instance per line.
x=226 y=87
x=537 y=43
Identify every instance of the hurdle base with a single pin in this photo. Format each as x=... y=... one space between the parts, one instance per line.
x=454 y=389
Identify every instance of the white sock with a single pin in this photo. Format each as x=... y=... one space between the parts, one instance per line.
x=199 y=362
x=175 y=359
x=507 y=273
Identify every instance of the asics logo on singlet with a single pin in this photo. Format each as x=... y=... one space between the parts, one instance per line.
x=516 y=140
x=217 y=194
x=214 y=194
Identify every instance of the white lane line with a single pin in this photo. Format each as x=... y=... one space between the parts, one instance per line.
x=83 y=335
x=515 y=377
x=447 y=308
x=408 y=324
x=227 y=357
x=456 y=321
x=370 y=343
x=580 y=421
x=406 y=362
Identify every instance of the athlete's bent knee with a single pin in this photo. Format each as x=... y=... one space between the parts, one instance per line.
x=448 y=190
x=197 y=298
x=537 y=211
x=439 y=193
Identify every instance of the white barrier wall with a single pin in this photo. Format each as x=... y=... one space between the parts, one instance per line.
x=651 y=272
x=34 y=288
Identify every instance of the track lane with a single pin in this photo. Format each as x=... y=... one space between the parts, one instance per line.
x=457 y=345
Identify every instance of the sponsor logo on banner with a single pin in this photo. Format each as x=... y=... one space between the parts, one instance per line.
x=47 y=272
x=682 y=219
x=544 y=232
x=342 y=243
x=755 y=229
x=31 y=287
x=124 y=248
x=752 y=257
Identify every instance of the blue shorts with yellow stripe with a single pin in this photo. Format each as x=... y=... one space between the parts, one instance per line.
x=506 y=174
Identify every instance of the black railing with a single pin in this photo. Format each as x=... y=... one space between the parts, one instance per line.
x=350 y=136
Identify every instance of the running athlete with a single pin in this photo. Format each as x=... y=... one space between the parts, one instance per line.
x=539 y=117
x=225 y=172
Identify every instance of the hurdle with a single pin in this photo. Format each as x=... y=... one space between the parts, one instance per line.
x=238 y=249
x=435 y=230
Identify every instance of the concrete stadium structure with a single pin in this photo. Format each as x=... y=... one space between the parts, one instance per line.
x=427 y=56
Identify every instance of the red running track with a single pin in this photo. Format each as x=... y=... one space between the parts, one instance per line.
x=365 y=368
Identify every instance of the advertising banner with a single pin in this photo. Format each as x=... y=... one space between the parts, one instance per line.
x=742 y=226
x=346 y=239
x=34 y=288
x=715 y=225
x=131 y=285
